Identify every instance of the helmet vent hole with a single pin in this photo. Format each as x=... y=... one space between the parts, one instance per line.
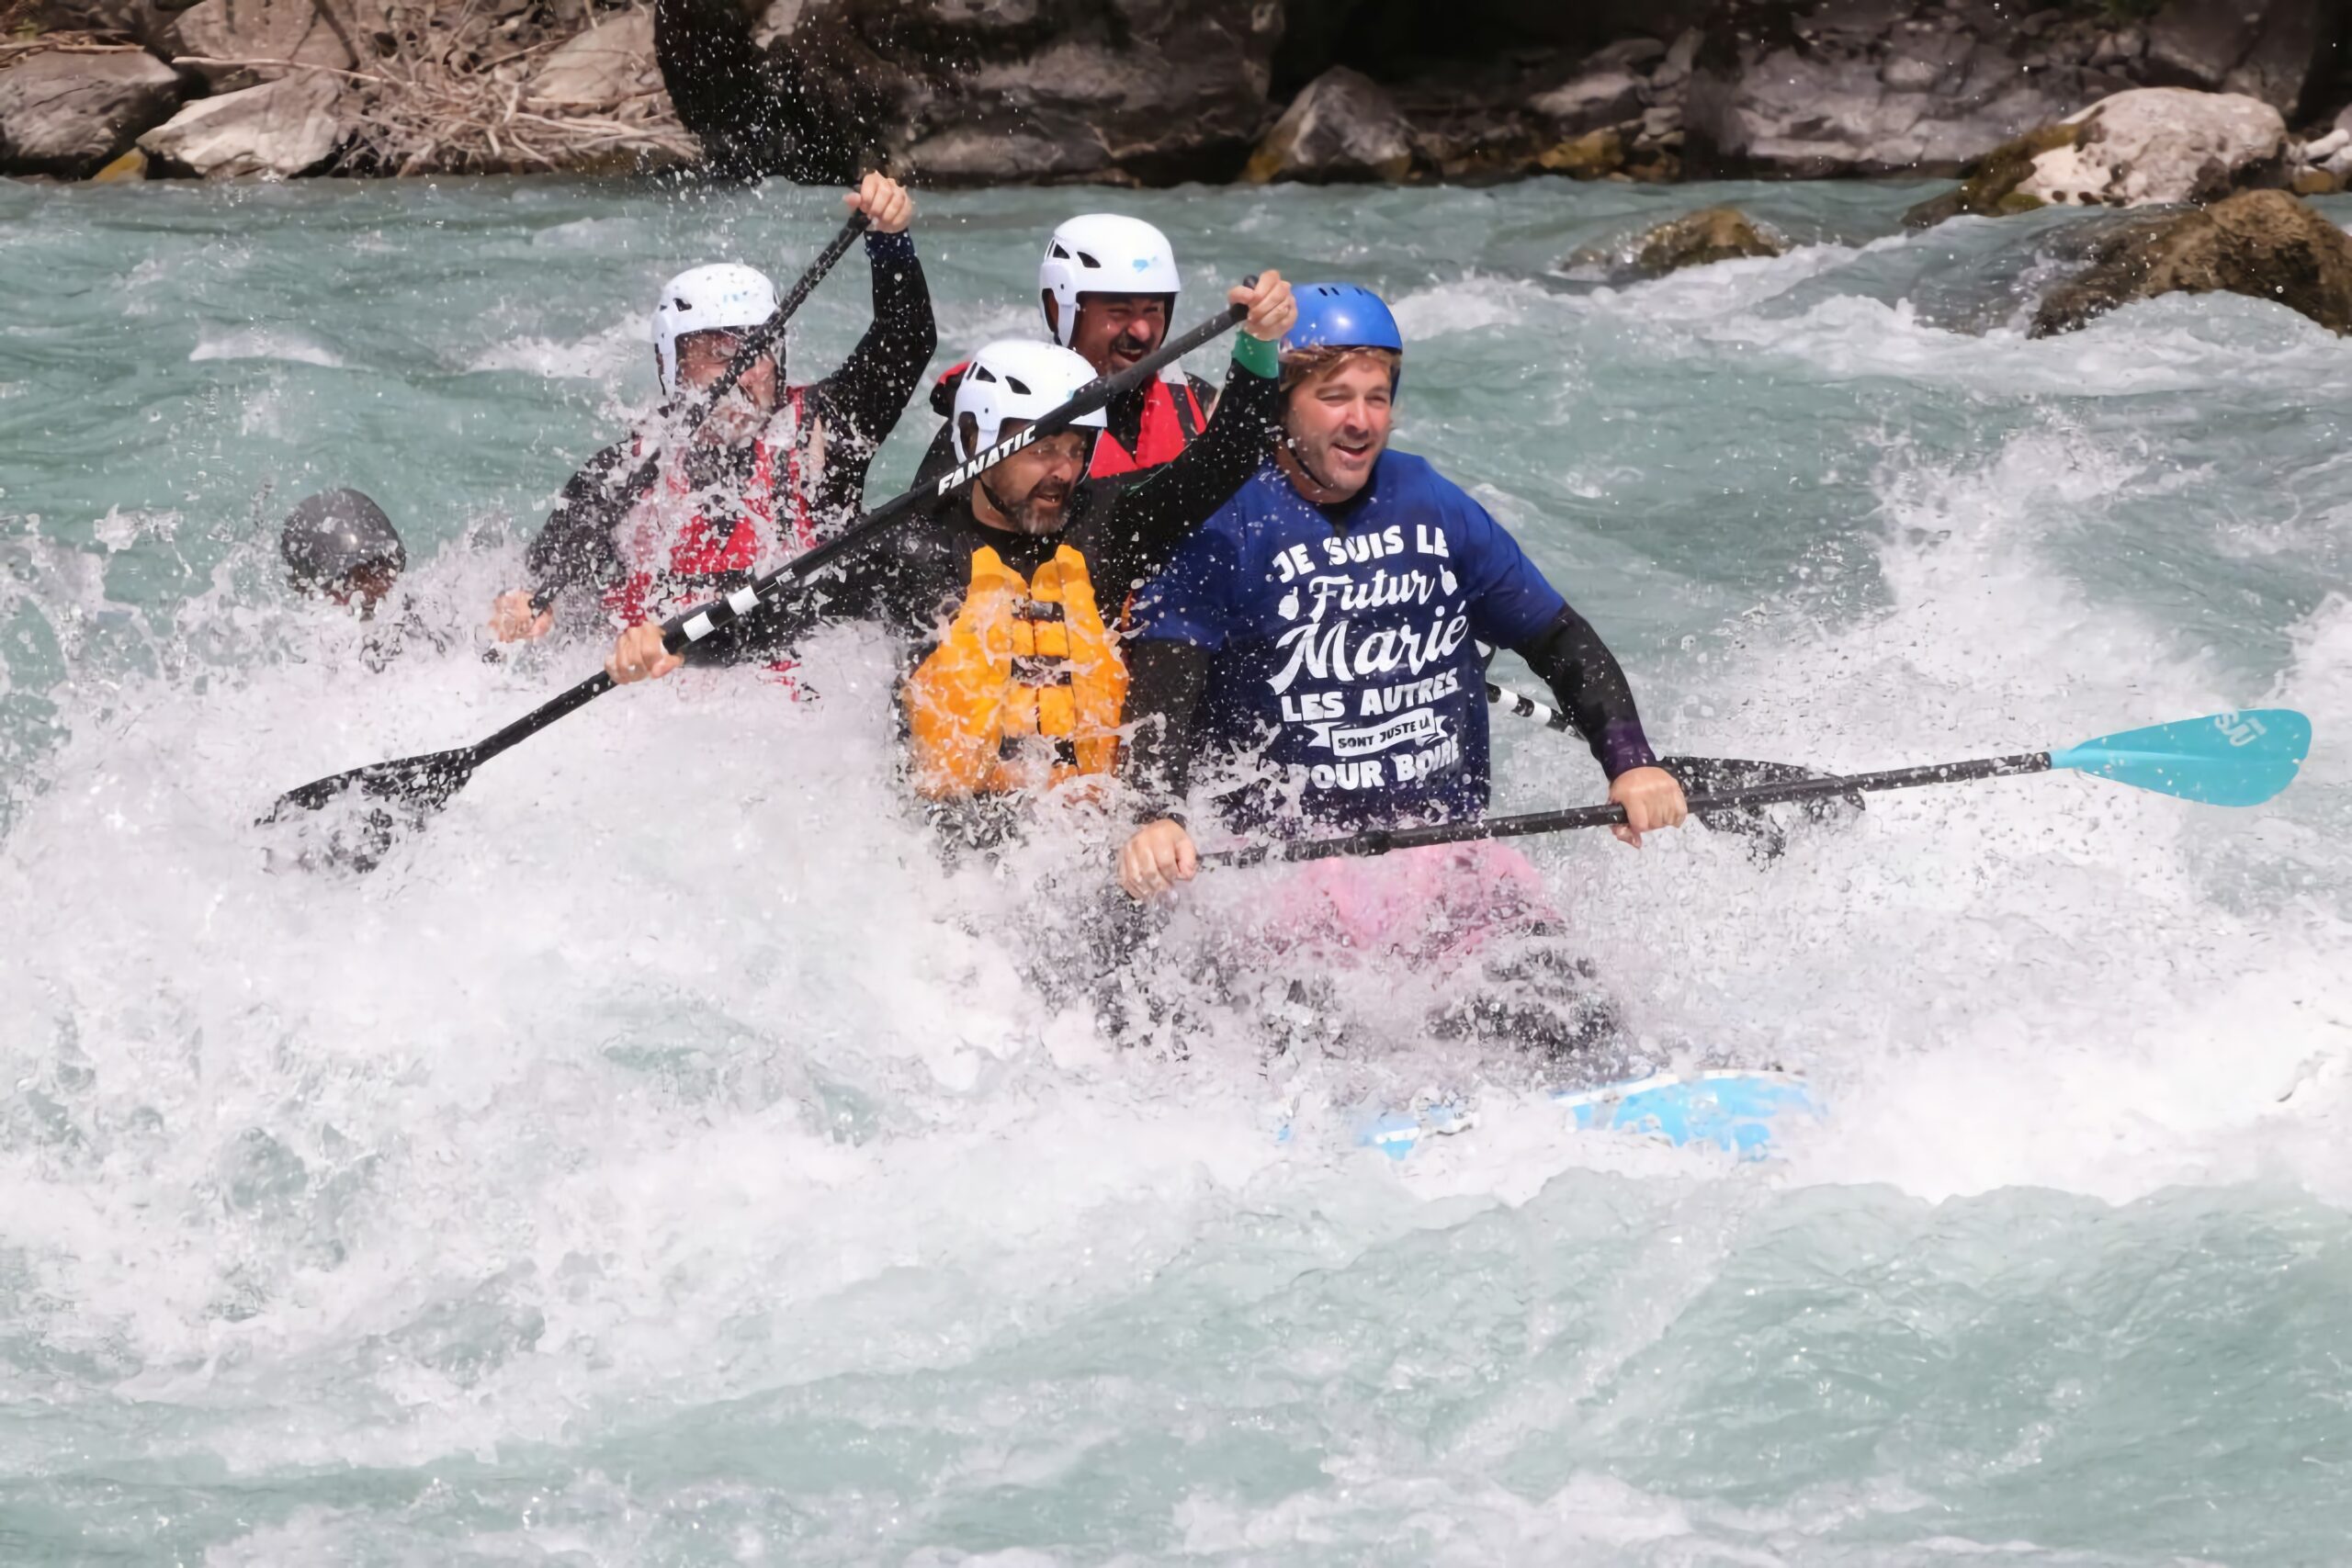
x=1017 y=384
x=1085 y=260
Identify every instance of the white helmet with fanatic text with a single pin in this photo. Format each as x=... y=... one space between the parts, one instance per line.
x=724 y=296
x=1016 y=378
x=1104 y=252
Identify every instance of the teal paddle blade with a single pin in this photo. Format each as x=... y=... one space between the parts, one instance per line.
x=2229 y=759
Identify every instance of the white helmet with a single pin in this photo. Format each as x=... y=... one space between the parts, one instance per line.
x=1017 y=378
x=1103 y=254
x=718 y=298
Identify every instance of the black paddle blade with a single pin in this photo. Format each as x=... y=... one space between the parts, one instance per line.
x=1718 y=775
x=360 y=833
x=425 y=782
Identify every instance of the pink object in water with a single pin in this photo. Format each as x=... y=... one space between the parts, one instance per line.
x=1438 y=904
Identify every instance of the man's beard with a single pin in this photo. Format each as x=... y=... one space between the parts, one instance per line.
x=1042 y=511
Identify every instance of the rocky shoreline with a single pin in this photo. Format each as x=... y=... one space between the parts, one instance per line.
x=2216 y=111
x=1137 y=92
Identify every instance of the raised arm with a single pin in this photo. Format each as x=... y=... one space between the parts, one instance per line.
x=1154 y=516
x=867 y=394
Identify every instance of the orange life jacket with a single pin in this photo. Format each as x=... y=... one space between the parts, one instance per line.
x=669 y=563
x=1024 y=691
x=1172 y=417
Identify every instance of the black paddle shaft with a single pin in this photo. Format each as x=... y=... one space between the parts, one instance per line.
x=1380 y=840
x=429 y=781
x=762 y=339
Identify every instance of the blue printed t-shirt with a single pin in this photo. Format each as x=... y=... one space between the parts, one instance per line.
x=1343 y=638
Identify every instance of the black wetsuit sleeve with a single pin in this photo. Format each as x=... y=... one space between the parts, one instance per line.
x=1592 y=690
x=937 y=457
x=1151 y=516
x=574 y=547
x=1165 y=680
x=861 y=403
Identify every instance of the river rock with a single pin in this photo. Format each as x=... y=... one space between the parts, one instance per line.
x=2137 y=148
x=1595 y=155
x=975 y=91
x=129 y=168
x=1989 y=185
x=2276 y=51
x=69 y=115
x=1853 y=87
x=275 y=132
x=237 y=43
x=609 y=63
x=1697 y=238
x=1343 y=126
x=1590 y=101
x=2263 y=244
x=2162 y=144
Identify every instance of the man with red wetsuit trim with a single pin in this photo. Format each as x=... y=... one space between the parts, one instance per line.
x=1108 y=287
x=775 y=469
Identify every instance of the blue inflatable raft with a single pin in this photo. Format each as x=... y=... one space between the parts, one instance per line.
x=1737 y=1112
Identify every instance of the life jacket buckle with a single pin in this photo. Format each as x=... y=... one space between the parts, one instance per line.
x=1039 y=670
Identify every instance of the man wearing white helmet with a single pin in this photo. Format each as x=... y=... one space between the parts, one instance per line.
x=1108 y=287
x=773 y=469
x=1010 y=597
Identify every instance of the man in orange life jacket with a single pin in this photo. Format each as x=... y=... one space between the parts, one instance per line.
x=1108 y=287
x=1009 y=596
x=775 y=470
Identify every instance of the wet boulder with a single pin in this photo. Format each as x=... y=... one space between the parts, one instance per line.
x=1343 y=126
x=70 y=114
x=1988 y=186
x=273 y=132
x=2264 y=244
x=1697 y=238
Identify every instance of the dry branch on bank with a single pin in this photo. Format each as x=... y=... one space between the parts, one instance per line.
x=448 y=89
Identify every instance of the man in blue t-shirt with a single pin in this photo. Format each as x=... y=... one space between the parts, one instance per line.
x=1321 y=630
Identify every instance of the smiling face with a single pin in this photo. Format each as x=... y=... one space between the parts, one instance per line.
x=1114 y=331
x=1337 y=418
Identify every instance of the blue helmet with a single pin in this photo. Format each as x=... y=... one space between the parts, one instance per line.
x=1341 y=315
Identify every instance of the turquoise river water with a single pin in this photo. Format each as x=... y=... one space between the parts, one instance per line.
x=663 y=1161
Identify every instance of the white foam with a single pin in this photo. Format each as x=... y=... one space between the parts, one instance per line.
x=600 y=356
x=265 y=342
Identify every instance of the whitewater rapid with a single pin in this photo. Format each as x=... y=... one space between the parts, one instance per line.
x=664 y=1159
